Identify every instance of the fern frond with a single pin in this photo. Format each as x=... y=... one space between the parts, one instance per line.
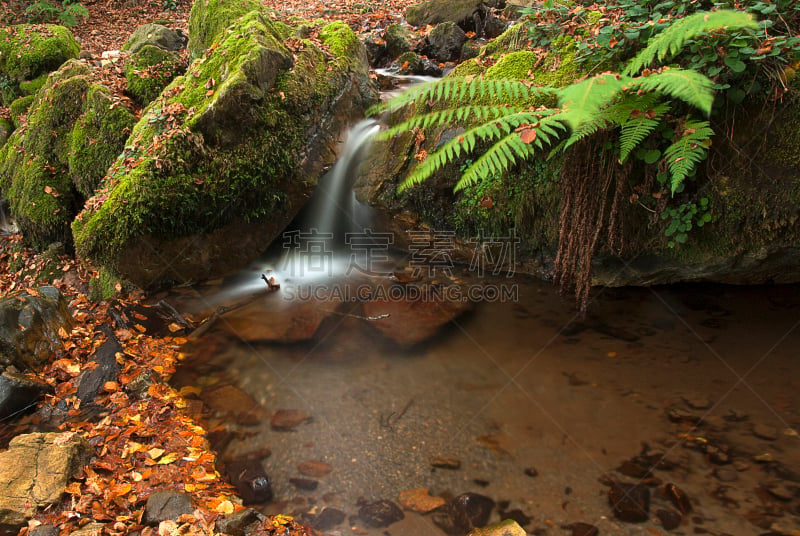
x=508 y=150
x=683 y=155
x=670 y=41
x=690 y=86
x=584 y=100
x=446 y=117
x=459 y=90
x=637 y=127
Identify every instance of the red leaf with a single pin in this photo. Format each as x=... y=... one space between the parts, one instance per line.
x=528 y=135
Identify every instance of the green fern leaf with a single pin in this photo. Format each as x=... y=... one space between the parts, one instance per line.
x=637 y=127
x=670 y=41
x=584 y=100
x=690 y=86
x=683 y=155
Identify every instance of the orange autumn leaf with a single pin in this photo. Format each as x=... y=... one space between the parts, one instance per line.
x=175 y=327
x=169 y=458
x=528 y=135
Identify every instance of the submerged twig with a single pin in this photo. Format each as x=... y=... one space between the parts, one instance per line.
x=360 y=317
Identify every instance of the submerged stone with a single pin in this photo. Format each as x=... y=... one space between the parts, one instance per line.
x=464 y=513
x=380 y=513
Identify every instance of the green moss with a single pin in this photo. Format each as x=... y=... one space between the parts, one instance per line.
x=515 y=65
x=559 y=68
x=97 y=139
x=341 y=40
x=408 y=63
x=6 y=128
x=104 y=285
x=209 y=18
x=467 y=68
x=20 y=107
x=149 y=71
x=513 y=39
x=32 y=86
x=28 y=51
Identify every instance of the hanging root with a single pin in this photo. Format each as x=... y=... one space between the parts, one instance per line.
x=591 y=177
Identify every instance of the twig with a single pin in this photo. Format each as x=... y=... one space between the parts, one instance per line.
x=175 y=314
x=370 y=318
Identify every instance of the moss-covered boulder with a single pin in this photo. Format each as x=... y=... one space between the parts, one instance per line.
x=209 y=18
x=19 y=108
x=399 y=38
x=73 y=132
x=445 y=42
x=149 y=70
x=28 y=51
x=6 y=128
x=155 y=35
x=437 y=11
x=227 y=155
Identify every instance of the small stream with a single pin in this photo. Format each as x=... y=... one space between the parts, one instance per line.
x=349 y=383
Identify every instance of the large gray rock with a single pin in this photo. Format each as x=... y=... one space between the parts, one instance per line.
x=437 y=11
x=156 y=35
x=34 y=472
x=29 y=326
x=445 y=42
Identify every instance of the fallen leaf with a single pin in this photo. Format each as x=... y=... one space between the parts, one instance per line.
x=528 y=135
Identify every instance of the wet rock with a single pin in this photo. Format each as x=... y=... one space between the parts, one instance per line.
x=399 y=39
x=288 y=419
x=306 y=484
x=445 y=42
x=91 y=382
x=763 y=431
x=464 y=513
x=634 y=469
x=314 y=468
x=297 y=322
x=509 y=527
x=697 y=402
x=166 y=506
x=19 y=394
x=376 y=50
x=780 y=491
x=678 y=498
x=34 y=472
x=411 y=321
x=327 y=519
x=629 y=502
x=531 y=472
x=29 y=328
x=419 y=500
x=681 y=416
x=669 y=519
x=231 y=402
x=443 y=462
x=582 y=529
x=237 y=524
x=250 y=480
x=380 y=513
x=516 y=515
x=156 y=35
x=725 y=475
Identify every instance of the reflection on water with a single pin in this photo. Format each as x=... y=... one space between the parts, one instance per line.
x=533 y=403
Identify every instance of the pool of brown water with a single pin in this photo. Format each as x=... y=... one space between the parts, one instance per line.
x=539 y=408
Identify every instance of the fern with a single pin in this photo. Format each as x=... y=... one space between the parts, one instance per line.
x=670 y=41
x=583 y=100
x=637 y=127
x=690 y=86
x=685 y=153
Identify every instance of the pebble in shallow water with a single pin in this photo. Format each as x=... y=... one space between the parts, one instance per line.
x=464 y=513
x=630 y=502
x=380 y=514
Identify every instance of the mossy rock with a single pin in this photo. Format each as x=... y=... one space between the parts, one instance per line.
x=6 y=128
x=209 y=18
x=149 y=71
x=227 y=154
x=71 y=135
x=516 y=65
x=97 y=139
x=408 y=63
x=27 y=51
x=398 y=39
x=20 y=108
x=29 y=87
x=154 y=35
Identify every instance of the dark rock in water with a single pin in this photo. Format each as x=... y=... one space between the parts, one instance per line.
x=669 y=519
x=165 y=506
x=380 y=514
x=376 y=50
x=464 y=513
x=327 y=519
x=678 y=498
x=634 y=469
x=304 y=483
x=763 y=431
x=630 y=502
x=19 y=394
x=517 y=515
x=445 y=42
x=399 y=40
x=250 y=480
x=91 y=382
x=582 y=529
x=238 y=523
x=681 y=416
x=531 y=472
x=314 y=468
x=288 y=419
x=29 y=328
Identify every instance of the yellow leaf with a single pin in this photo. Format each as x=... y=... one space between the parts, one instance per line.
x=169 y=458
x=225 y=507
x=175 y=327
x=155 y=452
